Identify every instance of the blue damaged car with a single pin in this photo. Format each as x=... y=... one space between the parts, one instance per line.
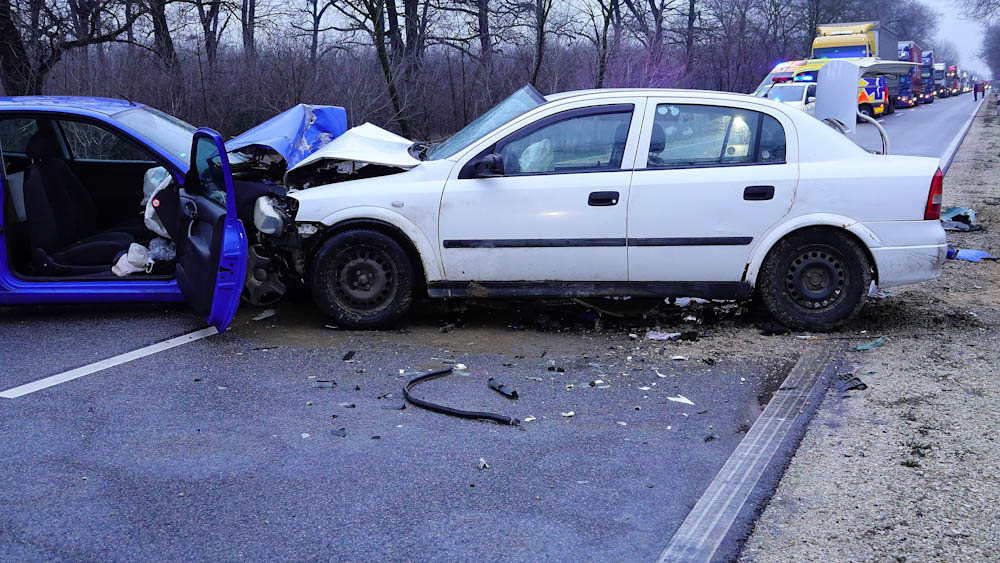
x=78 y=211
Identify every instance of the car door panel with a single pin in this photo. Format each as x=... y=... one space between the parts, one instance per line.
x=541 y=222
x=210 y=240
x=698 y=222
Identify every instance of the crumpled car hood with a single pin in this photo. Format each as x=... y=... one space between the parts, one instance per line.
x=295 y=133
x=365 y=143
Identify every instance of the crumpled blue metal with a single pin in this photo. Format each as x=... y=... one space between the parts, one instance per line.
x=295 y=133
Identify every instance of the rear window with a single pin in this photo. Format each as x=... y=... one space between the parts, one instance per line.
x=692 y=135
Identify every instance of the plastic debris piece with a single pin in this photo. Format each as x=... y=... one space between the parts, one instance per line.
x=324 y=383
x=964 y=215
x=644 y=388
x=633 y=335
x=569 y=414
x=679 y=358
x=304 y=435
x=557 y=369
x=596 y=382
x=376 y=437
x=347 y=405
x=970 y=255
x=397 y=407
x=620 y=423
x=569 y=386
x=265 y=314
x=658 y=374
x=482 y=464
x=709 y=361
x=309 y=403
x=500 y=388
x=460 y=367
x=349 y=355
x=690 y=335
x=658 y=335
x=342 y=432
x=855 y=384
x=539 y=379
x=711 y=438
x=873 y=344
x=681 y=399
x=529 y=418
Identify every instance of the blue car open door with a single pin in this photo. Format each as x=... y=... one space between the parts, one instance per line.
x=210 y=240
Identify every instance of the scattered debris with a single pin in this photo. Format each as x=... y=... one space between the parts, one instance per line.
x=396 y=407
x=461 y=367
x=309 y=403
x=446 y=328
x=569 y=386
x=482 y=464
x=304 y=435
x=596 y=382
x=265 y=314
x=349 y=355
x=657 y=335
x=557 y=369
x=324 y=383
x=873 y=344
x=679 y=358
x=644 y=388
x=499 y=388
x=529 y=418
x=434 y=374
x=969 y=255
x=569 y=414
x=772 y=328
x=681 y=399
x=855 y=384
x=661 y=375
x=959 y=219
x=709 y=361
x=620 y=423
x=538 y=379
x=347 y=405
x=376 y=437
x=342 y=432
x=711 y=438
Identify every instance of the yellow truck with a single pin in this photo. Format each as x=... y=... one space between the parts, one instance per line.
x=859 y=40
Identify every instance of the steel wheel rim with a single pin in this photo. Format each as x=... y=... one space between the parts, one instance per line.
x=816 y=278
x=365 y=278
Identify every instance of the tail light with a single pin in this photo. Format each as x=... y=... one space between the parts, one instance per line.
x=933 y=210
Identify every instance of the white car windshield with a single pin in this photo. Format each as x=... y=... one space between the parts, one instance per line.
x=518 y=103
x=170 y=133
x=783 y=93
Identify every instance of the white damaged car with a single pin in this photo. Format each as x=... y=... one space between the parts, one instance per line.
x=602 y=193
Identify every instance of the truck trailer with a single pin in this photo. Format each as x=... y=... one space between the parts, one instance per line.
x=854 y=40
x=911 y=86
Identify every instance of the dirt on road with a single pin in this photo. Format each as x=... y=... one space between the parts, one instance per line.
x=909 y=469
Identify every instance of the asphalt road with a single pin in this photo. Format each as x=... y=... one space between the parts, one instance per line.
x=223 y=448
x=924 y=130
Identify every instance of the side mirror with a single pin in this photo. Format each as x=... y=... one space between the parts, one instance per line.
x=810 y=99
x=489 y=166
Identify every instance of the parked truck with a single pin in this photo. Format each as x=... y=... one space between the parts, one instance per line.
x=859 y=40
x=927 y=77
x=943 y=89
x=911 y=86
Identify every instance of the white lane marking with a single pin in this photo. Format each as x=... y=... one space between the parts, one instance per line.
x=118 y=360
x=949 y=153
x=704 y=528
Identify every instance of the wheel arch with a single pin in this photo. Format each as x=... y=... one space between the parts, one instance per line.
x=407 y=234
x=862 y=236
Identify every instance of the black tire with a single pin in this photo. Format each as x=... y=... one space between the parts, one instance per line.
x=867 y=110
x=362 y=279
x=814 y=280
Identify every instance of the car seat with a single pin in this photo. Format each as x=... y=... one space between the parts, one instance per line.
x=61 y=216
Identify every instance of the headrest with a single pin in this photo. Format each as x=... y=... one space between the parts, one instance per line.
x=658 y=139
x=42 y=145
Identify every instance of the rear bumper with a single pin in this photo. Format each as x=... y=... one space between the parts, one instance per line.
x=899 y=265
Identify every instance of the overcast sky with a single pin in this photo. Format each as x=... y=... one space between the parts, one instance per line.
x=966 y=34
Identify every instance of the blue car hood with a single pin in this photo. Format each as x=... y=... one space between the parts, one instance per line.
x=295 y=133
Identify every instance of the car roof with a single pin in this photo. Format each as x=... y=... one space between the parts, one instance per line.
x=106 y=106
x=609 y=92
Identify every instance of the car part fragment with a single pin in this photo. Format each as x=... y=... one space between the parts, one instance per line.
x=434 y=374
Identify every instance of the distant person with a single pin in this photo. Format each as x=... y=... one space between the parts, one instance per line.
x=976 y=89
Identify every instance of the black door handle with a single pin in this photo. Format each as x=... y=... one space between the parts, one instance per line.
x=602 y=199
x=758 y=193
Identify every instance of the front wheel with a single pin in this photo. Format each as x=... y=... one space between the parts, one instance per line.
x=362 y=279
x=814 y=280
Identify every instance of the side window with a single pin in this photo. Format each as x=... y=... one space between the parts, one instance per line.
x=575 y=144
x=811 y=91
x=208 y=170
x=772 y=141
x=14 y=134
x=690 y=136
x=90 y=142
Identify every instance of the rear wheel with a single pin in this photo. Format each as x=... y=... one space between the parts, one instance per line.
x=868 y=111
x=814 y=280
x=362 y=279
